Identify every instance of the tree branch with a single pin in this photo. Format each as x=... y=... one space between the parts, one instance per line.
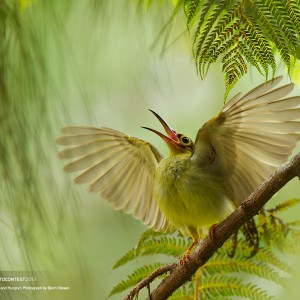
x=147 y=280
x=207 y=247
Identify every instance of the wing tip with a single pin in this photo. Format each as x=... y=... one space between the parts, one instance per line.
x=59 y=140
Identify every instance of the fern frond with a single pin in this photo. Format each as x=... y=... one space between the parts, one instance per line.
x=129 y=256
x=255 y=29
x=269 y=257
x=151 y=243
x=272 y=231
x=284 y=20
x=150 y=234
x=170 y=246
x=205 y=8
x=213 y=12
x=255 y=39
x=248 y=54
x=186 y=292
x=228 y=286
x=293 y=12
x=221 y=32
x=293 y=223
x=211 y=52
x=183 y=296
x=284 y=205
x=135 y=251
x=134 y=278
x=234 y=67
x=272 y=27
x=222 y=264
x=191 y=8
x=172 y=243
x=292 y=245
x=219 y=49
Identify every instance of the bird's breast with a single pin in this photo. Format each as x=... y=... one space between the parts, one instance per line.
x=189 y=196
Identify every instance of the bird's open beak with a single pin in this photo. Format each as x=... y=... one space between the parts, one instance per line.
x=171 y=139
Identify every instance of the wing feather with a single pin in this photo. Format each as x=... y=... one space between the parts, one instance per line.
x=118 y=167
x=252 y=136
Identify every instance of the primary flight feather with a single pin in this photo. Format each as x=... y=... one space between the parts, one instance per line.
x=198 y=184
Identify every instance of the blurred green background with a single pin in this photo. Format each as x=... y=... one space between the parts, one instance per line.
x=87 y=62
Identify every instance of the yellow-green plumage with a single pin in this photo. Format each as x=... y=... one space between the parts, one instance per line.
x=191 y=197
x=199 y=183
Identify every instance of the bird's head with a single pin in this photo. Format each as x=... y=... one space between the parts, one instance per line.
x=177 y=143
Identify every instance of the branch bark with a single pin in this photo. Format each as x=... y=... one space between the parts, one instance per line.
x=251 y=206
x=148 y=279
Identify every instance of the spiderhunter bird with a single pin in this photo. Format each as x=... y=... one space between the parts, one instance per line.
x=199 y=183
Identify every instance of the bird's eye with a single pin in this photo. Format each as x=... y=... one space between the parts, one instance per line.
x=185 y=140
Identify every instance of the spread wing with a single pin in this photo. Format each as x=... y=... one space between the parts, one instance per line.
x=251 y=137
x=118 y=167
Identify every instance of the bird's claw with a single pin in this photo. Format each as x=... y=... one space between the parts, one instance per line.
x=212 y=231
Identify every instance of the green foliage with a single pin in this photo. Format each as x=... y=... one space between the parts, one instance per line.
x=156 y=243
x=135 y=277
x=33 y=210
x=225 y=276
x=243 y=31
x=222 y=286
x=240 y=33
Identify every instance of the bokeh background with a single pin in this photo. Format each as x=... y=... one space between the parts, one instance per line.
x=99 y=63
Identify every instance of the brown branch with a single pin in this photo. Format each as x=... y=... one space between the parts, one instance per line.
x=207 y=247
x=148 y=279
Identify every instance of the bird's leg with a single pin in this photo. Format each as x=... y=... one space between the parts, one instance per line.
x=194 y=234
x=188 y=252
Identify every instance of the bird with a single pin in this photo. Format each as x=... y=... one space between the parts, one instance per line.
x=199 y=183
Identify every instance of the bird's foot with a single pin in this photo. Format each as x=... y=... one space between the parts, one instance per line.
x=184 y=258
x=187 y=253
x=212 y=231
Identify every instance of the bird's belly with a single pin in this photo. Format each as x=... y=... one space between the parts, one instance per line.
x=191 y=201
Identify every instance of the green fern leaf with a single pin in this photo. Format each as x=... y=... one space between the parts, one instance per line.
x=202 y=30
x=222 y=31
x=204 y=11
x=211 y=52
x=134 y=278
x=219 y=286
x=255 y=39
x=293 y=240
x=220 y=49
x=248 y=54
x=150 y=234
x=225 y=265
x=151 y=243
x=257 y=29
x=269 y=257
x=129 y=256
x=182 y=297
x=191 y=8
x=284 y=205
x=294 y=13
x=272 y=27
x=135 y=252
x=234 y=67
x=170 y=246
x=284 y=21
x=186 y=292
